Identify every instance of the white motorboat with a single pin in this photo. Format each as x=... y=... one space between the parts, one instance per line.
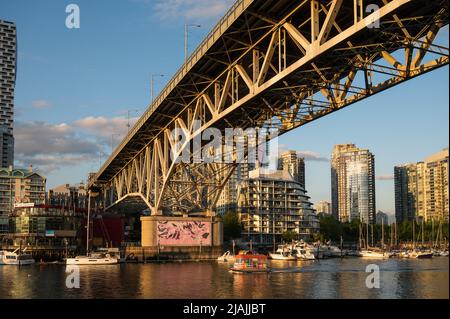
x=421 y=254
x=373 y=254
x=305 y=254
x=15 y=258
x=284 y=252
x=282 y=256
x=226 y=257
x=416 y=254
x=331 y=251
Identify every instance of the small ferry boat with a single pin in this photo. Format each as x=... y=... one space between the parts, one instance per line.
x=250 y=263
x=15 y=258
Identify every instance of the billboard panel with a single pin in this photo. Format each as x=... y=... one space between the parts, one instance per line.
x=179 y=233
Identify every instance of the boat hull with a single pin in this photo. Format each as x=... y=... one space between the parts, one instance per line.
x=91 y=261
x=17 y=263
x=15 y=259
x=250 y=271
x=373 y=255
x=424 y=256
x=281 y=257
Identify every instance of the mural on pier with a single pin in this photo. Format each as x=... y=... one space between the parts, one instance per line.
x=178 y=233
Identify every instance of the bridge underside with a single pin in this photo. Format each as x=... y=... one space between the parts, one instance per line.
x=276 y=64
x=130 y=204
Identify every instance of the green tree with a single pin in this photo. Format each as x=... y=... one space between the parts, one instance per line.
x=232 y=227
x=289 y=236
x=330 y=228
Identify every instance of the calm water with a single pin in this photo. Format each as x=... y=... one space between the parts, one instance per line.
x=333 y=278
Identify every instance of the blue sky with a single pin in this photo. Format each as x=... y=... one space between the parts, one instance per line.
x=76 y=87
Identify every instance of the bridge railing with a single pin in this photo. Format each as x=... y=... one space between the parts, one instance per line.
x=224 y=23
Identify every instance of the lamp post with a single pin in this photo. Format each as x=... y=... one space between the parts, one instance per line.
x=152 y=84
x=128 y=123
x=112 y=141
x=186 y=40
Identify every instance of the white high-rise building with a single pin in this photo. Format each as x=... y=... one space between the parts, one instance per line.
x=295 y=165
x=353 y=184
x=421 y=189
x=323 y=207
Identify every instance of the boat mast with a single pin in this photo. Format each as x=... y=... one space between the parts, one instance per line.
x=382 y=233
x=391 y=234
x=88 y=222
x=360 y=236
x=423 y=234
x=371 y=229
x=414 y=233
x=395 y=233
x=367 y=236
x=432 y=233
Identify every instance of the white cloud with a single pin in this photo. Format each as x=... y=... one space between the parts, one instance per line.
x=104 y=128
x=386 y=177
x=41 y=104
x=191 y=10
x=312 y=156
x=50 y=147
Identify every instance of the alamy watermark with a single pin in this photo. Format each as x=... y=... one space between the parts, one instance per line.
x=374 y=11
x=73 y=19
x=229 y=145
x=73 y=277
x=373 y=280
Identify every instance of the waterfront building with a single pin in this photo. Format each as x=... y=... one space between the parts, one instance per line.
x=353 y=184
x=323 y=207
x=19 y=186
x=52 y=228
x=44 y=226
x=71 y=196
x=290 y=162
x=8 y=64
x=228 y=198
x=421 y=189
x=382 y=218
x=272 y=203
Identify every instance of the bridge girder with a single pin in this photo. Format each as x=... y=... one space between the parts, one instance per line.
x=277 y=71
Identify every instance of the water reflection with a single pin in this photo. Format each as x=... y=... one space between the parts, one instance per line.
x=318 y=279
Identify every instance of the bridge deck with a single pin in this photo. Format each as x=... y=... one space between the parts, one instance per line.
x=238 y=31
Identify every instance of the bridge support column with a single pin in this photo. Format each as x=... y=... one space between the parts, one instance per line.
x=210 y=213
x=156 y=212
x=182 y=237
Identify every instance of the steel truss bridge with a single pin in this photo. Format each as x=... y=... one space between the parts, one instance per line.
x=268 y=63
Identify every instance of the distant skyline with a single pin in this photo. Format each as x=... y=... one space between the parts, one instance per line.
x=75 y=89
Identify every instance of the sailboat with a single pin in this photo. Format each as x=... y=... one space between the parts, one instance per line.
x=371 y=253
x=94 y=258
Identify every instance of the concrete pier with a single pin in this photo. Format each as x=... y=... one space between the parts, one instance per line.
x=179 y=238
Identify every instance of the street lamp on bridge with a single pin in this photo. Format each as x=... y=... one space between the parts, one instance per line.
x=128 y=114
x=186 y=40
x=112 y=142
